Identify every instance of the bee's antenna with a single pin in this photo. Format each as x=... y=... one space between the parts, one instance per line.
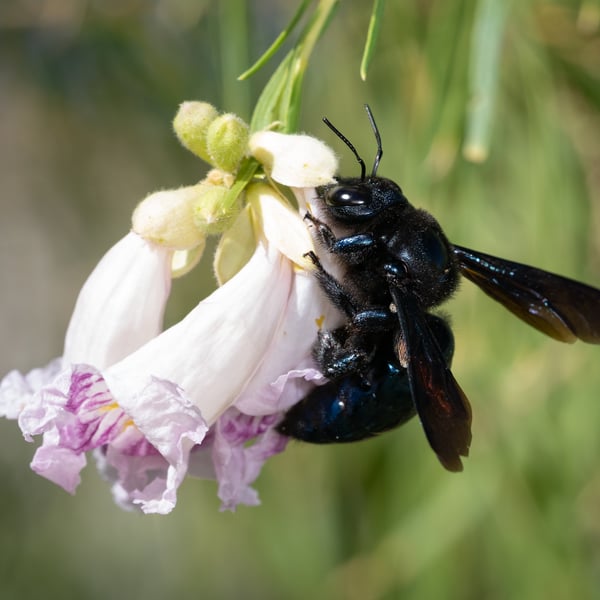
x=377 y=138
x=361 y=162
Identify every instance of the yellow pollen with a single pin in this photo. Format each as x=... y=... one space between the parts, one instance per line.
x=319 y=321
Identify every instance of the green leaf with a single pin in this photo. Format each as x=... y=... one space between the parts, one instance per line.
x=372 y=35
x=279 y=103
x=262 y=61
x=486 y=42
x=266 y=111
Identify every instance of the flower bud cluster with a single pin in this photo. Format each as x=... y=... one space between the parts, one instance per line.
x=219 y=140
x=180 y=219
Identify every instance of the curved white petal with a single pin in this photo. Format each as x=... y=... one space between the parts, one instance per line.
x=213 y=353
x=281 y=225
x=308 y=311
x=121 y=305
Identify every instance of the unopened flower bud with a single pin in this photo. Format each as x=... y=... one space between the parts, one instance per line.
x=227 y=142
x=191 y=125
x=211 y=214
x=298 y=161
x=166 y=218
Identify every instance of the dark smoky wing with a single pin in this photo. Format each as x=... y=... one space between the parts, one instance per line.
x=441 y=404
x=561 y=308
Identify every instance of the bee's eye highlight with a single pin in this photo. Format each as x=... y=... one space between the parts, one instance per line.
x=347 y=196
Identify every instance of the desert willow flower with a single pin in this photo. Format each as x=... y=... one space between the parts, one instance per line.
x=154 y=406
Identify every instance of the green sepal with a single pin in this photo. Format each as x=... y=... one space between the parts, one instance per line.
x=236 y=246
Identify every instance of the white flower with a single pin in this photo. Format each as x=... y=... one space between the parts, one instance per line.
x=155 y=406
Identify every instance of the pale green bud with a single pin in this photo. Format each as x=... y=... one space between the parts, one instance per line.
x=227 y=142
x=166 y=218
x=211 y=215
x=191 y=126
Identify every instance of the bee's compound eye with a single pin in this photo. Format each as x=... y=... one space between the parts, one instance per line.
x=347 y=196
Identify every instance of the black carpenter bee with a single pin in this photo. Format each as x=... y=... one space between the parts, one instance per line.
x=392 y=357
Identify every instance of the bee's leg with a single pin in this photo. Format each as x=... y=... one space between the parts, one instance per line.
x=352 y=247
x=340 y=296
x=337 y=358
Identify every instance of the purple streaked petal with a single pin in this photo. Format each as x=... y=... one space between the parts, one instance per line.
x=173 y=426
x=148 y=449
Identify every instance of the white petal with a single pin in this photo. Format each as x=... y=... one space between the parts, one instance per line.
x=215 y=350
x=307 y=312
x=281 y=225
x=294 y=160
x=121 y=305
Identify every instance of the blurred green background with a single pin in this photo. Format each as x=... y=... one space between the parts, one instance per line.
x=87 y=92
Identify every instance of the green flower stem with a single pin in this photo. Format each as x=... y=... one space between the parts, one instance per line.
x=245 y=173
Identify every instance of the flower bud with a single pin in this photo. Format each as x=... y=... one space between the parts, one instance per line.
x=211 y=214
x=191 y=125
x=227 y=142
x=298 y=161
x=166 y=218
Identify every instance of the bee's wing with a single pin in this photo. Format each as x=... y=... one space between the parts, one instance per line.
x=440 y=403
x=562 y=308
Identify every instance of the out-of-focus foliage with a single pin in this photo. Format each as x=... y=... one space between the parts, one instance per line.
x=87 y=92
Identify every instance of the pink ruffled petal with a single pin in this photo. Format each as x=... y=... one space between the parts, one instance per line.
x=17 y=390
x=148 y=449
x=57 y=463
x=281 y=394
x=237 y=464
